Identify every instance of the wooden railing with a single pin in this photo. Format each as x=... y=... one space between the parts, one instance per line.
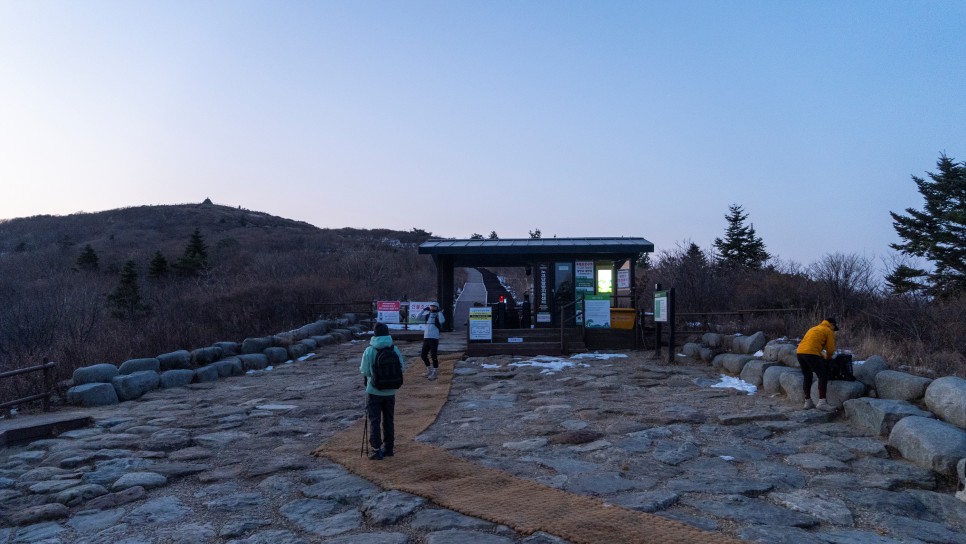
x=47 y=390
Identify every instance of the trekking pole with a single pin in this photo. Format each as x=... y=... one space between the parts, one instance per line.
x=364 y=449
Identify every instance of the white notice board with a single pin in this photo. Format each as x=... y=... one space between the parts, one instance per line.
x=481 y=324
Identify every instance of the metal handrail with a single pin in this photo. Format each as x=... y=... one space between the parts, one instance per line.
x=47 y=391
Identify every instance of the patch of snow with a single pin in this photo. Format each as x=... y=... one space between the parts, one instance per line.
x=550 y=365
x=854 y=363
x=759 y=353
x=727 y=457
x=304 y=357
x=489 y=366
x=269 y=367
x=727 y=382
x=599 y=356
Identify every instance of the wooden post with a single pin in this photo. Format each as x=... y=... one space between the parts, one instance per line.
x=46 y=390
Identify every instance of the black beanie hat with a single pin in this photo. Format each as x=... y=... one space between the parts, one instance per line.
x=832 y=321
x=381 y=330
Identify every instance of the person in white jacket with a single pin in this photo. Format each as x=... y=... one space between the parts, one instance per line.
x=434 y=322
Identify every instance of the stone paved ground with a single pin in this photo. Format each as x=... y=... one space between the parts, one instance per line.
x=229 y=461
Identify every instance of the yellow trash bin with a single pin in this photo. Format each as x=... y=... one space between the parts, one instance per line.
x=622 y=318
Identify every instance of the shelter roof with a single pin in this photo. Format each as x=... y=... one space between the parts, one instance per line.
x=510 y=251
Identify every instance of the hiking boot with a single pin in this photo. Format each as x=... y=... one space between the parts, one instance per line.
x=429 y=370
x=387 y=453
x=376 y=455
x=432 y=374
x=824 y=406
x=808 y=404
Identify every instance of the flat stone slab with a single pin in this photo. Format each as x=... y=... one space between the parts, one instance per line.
x=32 y=427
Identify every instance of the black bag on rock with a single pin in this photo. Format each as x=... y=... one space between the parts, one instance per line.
x=840 y=368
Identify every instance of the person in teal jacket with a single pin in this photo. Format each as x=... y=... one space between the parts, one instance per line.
x=380 y=403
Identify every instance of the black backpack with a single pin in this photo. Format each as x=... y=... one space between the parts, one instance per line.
x=387 y=370
x=840 y=368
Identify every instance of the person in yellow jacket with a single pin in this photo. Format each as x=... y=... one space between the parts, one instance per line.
x=814 y=353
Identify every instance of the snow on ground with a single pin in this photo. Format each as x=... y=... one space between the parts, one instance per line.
x=552 y=365
x=727 y=382
x=599 y=356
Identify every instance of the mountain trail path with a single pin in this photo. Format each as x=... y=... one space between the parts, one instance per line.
x=232 y=460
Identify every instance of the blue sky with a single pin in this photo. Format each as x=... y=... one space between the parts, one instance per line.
x=578 y=118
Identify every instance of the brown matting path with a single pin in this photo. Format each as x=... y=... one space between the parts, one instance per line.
x=466 y=487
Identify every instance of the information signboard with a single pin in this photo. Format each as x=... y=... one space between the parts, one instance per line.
x=660 y=306
x=584 y=283
x=414 y=309
x=624 y=279
x=387 y=311
x=481 y=323
x=597 y=311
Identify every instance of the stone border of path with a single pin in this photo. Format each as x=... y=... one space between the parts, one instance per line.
x=106 y=384
x=924 y=419
x=471 y=489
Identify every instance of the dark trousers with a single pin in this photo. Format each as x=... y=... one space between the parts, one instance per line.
x=430 y=349
x=818 y=365
x=381 y=407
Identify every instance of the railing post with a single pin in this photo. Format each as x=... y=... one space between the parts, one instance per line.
x=46 y=390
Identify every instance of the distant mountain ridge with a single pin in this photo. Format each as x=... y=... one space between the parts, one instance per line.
x=167 y=227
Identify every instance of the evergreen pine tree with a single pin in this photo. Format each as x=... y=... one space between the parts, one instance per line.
x=195 y=258
x=741 y=247
x=936 y=233
x=87 y=259
x=125 y=300
x=493 y=235
x=158 y=268
x=535 y=233
x=476 y=236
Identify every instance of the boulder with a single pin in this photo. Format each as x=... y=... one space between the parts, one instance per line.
x=228 y=348
x=283 y=339
x=297 y=350
x=732 y=362
x=317 y=328
x=102 y=373
x=869 y=369
x=781 y=351
x=750 y=344
x=309 y=343
x=691 y=350
x=929 y=443
x=325 y=339
x=276 y=356
x=253 y=361
x=206 y=374
x=175 y=360
x=92 y=394
x=892 y=384
x=946 y=397
x=140 y=365
x=754 y=371
x=232 y=366
x=771 y=379
x=132 y=386
x=712 y=339
x=256 y=345
x=178 y=377
x=839 y=391
x=793 y=384
x=878 y=416
x=341 y=335
x=205 y=356
x=707 y=355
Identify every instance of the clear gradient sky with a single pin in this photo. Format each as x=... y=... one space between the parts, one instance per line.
x=600 y=118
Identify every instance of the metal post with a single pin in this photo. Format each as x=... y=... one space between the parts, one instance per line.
x=670 y=321
x=657 y=330
x=46 y=385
